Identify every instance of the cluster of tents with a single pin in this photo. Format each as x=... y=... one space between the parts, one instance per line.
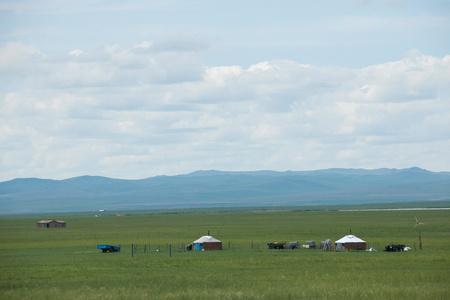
x=348 y=242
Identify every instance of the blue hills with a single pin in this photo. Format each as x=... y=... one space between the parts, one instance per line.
x=224 y=189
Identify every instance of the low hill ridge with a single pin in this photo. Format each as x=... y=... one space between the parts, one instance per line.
x=213 y=188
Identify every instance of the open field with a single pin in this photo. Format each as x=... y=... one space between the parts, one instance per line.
x=64 y=263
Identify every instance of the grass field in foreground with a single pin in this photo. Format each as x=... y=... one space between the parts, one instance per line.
x=65 y=263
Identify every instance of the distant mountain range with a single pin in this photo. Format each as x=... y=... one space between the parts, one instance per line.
x=224 y=189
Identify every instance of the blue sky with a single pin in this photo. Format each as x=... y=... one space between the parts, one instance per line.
x=142 y=88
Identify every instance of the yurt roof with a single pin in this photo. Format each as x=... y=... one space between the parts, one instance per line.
x=206 y=239
x=350 y=239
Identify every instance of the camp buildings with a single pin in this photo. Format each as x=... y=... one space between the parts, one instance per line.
x=51 y=224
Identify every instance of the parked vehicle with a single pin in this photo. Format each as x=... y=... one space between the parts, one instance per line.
x=394 y=248
x=276 y=245
x=293 y=245
x=311 y=244
x=108 y=248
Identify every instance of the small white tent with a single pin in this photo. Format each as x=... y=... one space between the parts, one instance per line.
x=350 y=242
x=207 y=242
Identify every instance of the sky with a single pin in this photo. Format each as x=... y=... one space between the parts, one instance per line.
x=135 y=89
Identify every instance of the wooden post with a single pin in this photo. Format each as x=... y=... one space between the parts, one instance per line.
x=420 y=239
x=132 y=250
x=170 y=250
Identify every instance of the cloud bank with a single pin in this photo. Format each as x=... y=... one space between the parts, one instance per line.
x=155 y=108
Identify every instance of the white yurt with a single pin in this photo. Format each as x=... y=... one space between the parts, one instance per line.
x=350 y=242
x=207 y=242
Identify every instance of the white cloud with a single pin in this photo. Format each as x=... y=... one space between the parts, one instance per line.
x=144 y=45
x=76 y=52
x=17 y=59
x=125 y=113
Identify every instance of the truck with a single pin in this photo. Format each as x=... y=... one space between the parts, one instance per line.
x=276 y=245
x=108 y=248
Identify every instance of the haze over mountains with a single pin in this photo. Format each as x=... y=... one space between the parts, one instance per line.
x=224 y=189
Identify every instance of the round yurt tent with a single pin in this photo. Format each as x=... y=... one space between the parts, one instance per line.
x=350 y=242
x=207 y=242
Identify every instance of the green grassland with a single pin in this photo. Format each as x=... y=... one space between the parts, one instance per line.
x=65 y=263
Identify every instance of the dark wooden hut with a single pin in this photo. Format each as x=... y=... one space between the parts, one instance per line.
x=51 y=224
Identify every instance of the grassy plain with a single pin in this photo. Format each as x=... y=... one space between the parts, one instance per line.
x=65 y=263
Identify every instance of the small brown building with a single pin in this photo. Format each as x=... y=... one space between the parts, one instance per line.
x=51 y=224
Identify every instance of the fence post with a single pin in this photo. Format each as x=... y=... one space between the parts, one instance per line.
x=170 y=250
x=132 y=250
